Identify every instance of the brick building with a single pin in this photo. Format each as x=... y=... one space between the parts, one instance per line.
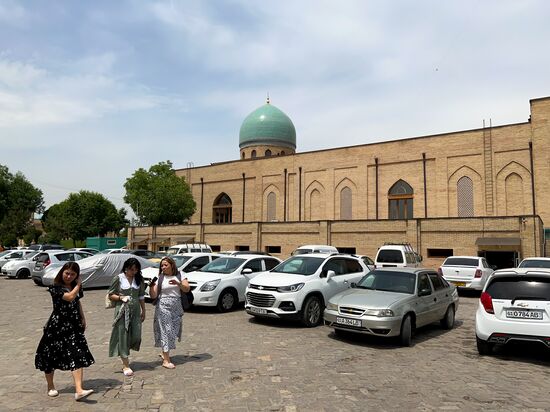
x=472 y=192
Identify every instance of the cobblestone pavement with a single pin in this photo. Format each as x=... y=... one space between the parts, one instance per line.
x=232 y=362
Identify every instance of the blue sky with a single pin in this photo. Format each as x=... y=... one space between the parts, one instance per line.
x=91 y=91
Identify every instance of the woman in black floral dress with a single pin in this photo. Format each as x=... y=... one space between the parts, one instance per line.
x=63 y=345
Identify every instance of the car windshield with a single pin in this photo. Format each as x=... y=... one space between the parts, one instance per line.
x=401 y=282
x=223 y=265
x=390 y=256
x=456 y=261
x=5 y=252
x=299 y=265
x=180 y=260
x=510 y=288
x=535 y=263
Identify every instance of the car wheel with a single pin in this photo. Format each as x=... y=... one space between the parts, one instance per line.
x=312 y=313
x=484 y=347
x=22 y=274
x=37 y=282
x=227 y=300
x=405 y=338
x=448 y=320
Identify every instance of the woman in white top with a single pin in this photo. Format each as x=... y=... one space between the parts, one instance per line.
x=128 y=292
x=167 y=323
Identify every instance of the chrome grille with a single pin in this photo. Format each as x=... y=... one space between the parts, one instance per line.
x=260 y=300
x=351 y=311
x=260 y=287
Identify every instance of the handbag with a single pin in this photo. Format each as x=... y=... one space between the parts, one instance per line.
x=109 y=304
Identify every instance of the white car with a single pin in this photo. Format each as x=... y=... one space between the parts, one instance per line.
x=300 y=287
x=514 y=306
x=14 y=254
x=96 y=270
x=187 y=262
x=469 y=272
x=20 y=268
x=397 y=255
x=222 y=282
x=53 y=257
x=535 y=262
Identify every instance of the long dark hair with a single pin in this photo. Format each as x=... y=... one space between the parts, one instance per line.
x=133 y=262
x=69 y=265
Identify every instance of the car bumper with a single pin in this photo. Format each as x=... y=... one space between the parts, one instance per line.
x=473 y=284
x=273 y=304
x=370 y=325
x=494 y=330
x=205 y=298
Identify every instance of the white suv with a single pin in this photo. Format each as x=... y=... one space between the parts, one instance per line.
x=514 y=305
x=400 y=255
x=223 y=281
x=300 y=286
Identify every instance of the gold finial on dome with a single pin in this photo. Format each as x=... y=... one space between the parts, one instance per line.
x=267 y=101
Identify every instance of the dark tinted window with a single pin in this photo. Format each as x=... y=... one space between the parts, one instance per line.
x=367 y=260
x=200 y=262
x=423 y=282
x=43 y=257
x=353 y=266
x=255 y=265
x=270 y=263
x=390 y=256
x=436 y=281
x=338 y=265
x=455 y=261
x=535 y=263
x=524 y=287
x=65 y=257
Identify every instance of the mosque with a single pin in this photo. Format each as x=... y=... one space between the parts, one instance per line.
x=474 y=192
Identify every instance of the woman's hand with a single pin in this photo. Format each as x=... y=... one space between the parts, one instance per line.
x=142 y=317
x=83 y=324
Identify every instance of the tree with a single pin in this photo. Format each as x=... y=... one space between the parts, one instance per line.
x=158 y=196
x=19 y=200
x=81 y=215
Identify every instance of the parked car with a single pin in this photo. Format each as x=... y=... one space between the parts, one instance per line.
x=514 y=306
x=46 y=247
x=147 y=254
x=393 y=302
x=86 y=249
x=188 y=247
x=14 y=254
x=20 y=268
x=470 y=272
x=97 y=270
x=397 y=255
x=303 y=250
x=535 y=262
x=300 y=286
x=222 y=282
x=53 y=257
x=187 y=262
x=369 y=263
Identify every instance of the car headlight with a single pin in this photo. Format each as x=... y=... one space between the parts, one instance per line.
x=292 y=288
x=210 y=286
x=381 y=313
x=332 y=306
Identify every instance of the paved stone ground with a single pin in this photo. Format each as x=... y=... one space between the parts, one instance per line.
x=231 y=362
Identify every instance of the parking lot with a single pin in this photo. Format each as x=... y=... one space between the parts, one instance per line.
x=232 y=362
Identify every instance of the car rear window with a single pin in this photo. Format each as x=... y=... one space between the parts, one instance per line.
x=390 y=256
x=535 y=263
x=509 y=288
x=455 y=261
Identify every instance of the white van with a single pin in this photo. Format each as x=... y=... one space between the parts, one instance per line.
x=188 y=248
x=397 y=255
x=303 y=250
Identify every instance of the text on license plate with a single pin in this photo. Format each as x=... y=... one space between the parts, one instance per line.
x=258 y=310
x=347 y=321
x=459 y=283
x=524 y=314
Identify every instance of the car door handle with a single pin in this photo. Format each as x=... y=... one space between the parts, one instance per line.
x=435 y=299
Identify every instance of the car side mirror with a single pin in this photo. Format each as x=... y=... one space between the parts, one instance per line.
x=330 y=274
x=424 y=292
x=353 y=285
x=246 y=271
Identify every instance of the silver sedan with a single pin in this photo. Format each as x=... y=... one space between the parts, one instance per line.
x=393 y=302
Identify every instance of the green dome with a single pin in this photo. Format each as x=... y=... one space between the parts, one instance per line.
x=267 y=125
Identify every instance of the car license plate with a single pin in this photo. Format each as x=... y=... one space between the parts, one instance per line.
x=459 y=283
x=258 y=310
x=524 y=314
x=347 y=321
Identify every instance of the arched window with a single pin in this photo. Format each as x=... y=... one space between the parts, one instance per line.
x=243 y=155
x=400 y=198
x=345 y=204
x=253 y=154
x=465 y=197
x=271 y=207
x=514 y=194
x=267 y=153
x=221 y=212
x=282 y=153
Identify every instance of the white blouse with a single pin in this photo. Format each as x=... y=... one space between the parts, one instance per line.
x=169 y=289
x=125 y=284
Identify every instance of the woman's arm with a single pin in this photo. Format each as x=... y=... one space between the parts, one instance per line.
x=184 y=285
x=153 y=290
x=82 y=317
x=70 y=296
x=142 y=304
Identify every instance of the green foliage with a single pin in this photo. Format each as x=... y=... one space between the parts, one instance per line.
x=158 y=196
x=19 y=200
x=32 y=235
x=81 y=215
